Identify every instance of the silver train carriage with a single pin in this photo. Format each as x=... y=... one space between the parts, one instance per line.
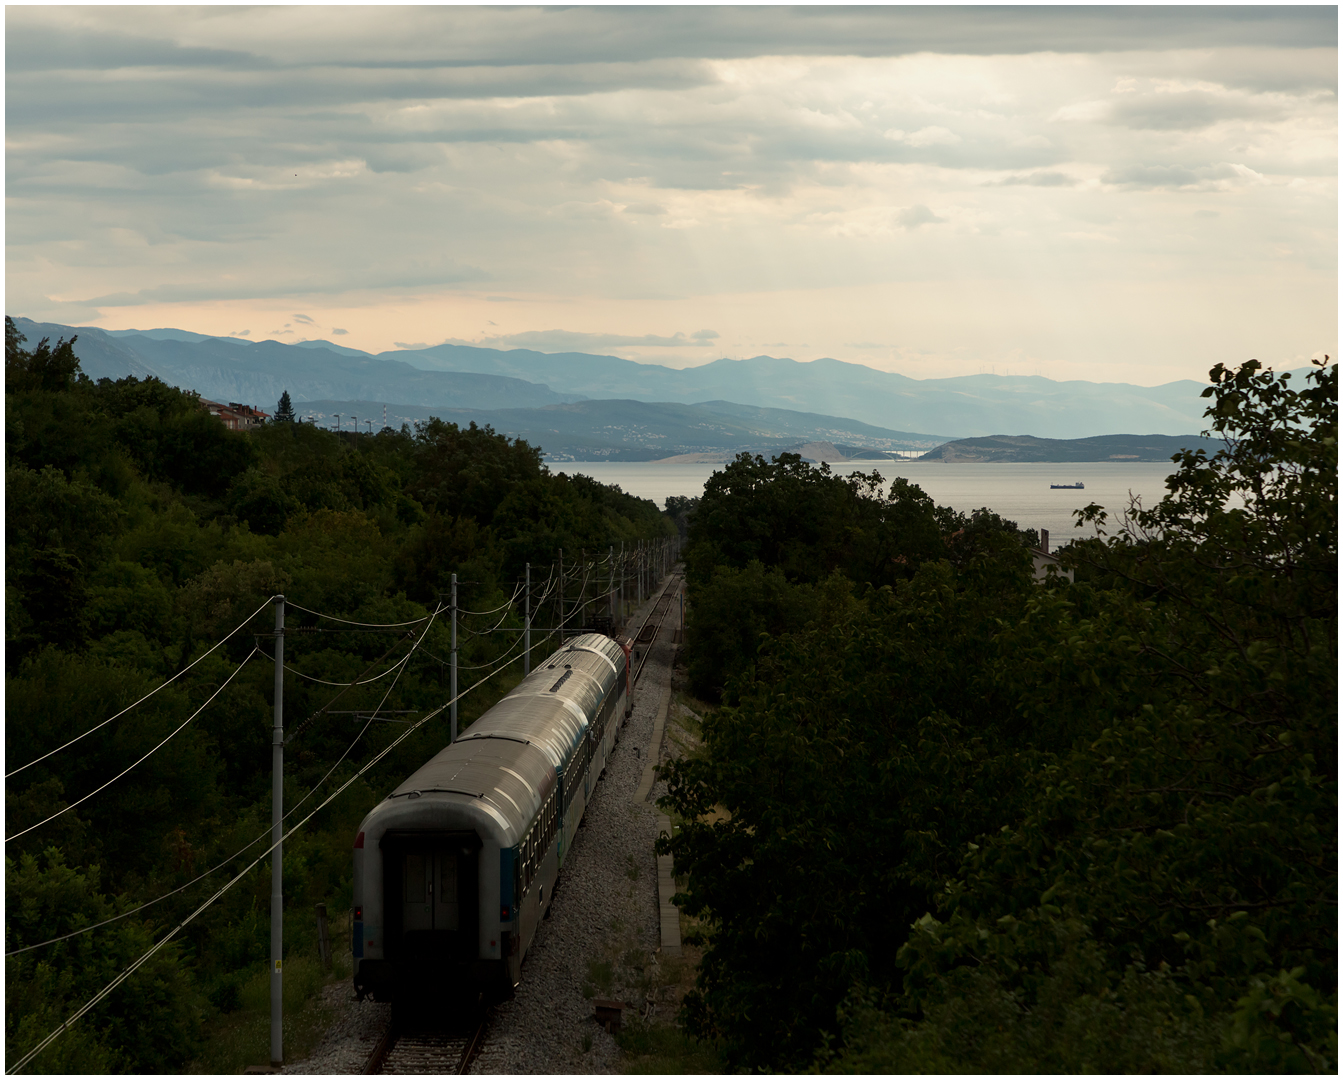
x=454 y=870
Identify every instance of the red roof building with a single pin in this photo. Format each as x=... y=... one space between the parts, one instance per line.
x=236 y=416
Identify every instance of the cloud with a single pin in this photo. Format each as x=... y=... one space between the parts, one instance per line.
x=303 y=319
x=576 y=341
x=411 y=345
x=337 y=331
x=644 y=208
x=1170 y=177
x=1189 y=111
x=239 y=333
x=928 y=136
x=1037 y=179
x=325 y=282
x=430 y=39
x=911 y=217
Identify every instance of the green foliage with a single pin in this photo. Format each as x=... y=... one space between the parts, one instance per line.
x=44 y=368
x=1076 y=1023
x=140 y=531
x=764 y=533
x=1119 y=798
x=663 y=1049
x=154 y=1019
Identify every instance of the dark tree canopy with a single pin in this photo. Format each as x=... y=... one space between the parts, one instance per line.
x=969 y=822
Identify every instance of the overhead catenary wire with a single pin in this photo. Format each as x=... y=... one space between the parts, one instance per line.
x=143 y=758
x=356 y=682
x=137 y=964
x=399 y=667
x=354 y=622
x=506 y=604
x=149 y=695
x=503 y=663
x=148 y=903
x=215 y=869
x=242 y=873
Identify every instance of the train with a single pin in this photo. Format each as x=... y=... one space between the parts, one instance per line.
x=454 y=870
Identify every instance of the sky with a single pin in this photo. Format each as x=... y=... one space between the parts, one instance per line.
x=1113 y=194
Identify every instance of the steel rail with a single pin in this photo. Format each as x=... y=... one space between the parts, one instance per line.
x=456 y=1061
x=661 y=609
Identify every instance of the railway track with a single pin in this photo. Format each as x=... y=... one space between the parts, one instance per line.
x=424 y=1048
x=648 y=632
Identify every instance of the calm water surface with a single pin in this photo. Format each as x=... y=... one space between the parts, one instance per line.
x=1019 y=491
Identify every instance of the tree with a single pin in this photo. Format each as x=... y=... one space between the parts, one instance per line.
x=992 y=820
x=284 y=410
x=44 y=368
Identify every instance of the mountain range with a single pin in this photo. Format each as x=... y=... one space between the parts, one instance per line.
x=627 y=430
x=643 y=407
x=967 y=404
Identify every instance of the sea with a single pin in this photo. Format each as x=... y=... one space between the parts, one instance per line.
x=1019 y=491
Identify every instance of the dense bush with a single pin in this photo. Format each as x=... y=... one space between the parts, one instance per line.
x=978 y=823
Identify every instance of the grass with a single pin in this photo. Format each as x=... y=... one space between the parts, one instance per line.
x=655 y=1048
x=601 y=974
x=236 y=1039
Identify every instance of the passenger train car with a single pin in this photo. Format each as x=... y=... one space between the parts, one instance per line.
x=454 y=870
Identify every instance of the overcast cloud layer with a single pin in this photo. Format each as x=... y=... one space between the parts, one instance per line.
x=1126 y=193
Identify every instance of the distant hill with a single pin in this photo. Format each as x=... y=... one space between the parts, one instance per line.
x=971 y=404
x=257 y=373
x=470 y=377
x=647 y=431
x=1095 y=448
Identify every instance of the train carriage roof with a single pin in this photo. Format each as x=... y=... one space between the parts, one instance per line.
x=510 y=757
x=554 y=705
x=514 y=778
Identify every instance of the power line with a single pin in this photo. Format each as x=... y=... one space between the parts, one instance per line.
x=123 y=772
x=151 y=693
x=262 y=836
x=130 y=970
x=353 y=622
x=347 y=685
x=506 y=604
x=506 y=659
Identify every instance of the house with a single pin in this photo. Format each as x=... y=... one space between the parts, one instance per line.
x=1043 y=559
x=236 y=416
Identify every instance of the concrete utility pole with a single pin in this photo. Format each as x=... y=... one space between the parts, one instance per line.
x=277 y=852
x=527 y=626
x=452 y=684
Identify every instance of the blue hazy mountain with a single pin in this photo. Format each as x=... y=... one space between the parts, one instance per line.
x=257 y=373
x=627 y=430
x=970 y=404
x=463 y=376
